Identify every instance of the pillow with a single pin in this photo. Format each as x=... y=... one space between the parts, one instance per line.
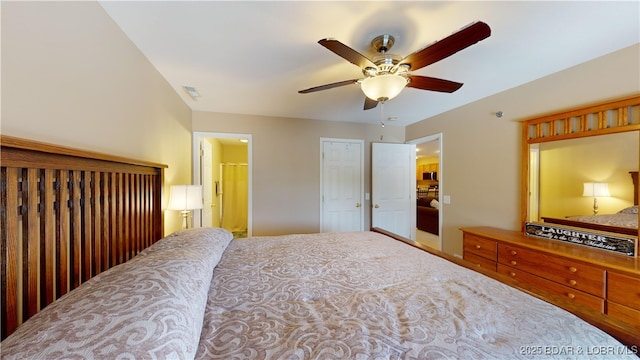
x=629 y=210
x=150 y=307
x=425 y=201
x=434 y=204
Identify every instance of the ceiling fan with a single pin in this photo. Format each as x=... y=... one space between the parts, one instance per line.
x=387 y=74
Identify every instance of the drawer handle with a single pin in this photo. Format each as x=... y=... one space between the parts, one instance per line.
x=571 y=296
x=573 y=282
x=513 y=262
x=513 y=252
x=573 y=269
x=512 y=274
x=477 y=246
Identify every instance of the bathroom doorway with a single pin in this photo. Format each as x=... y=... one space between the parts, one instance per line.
x=222 y=165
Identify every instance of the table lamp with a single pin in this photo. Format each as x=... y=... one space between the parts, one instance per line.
x=596 y=190
x=185 y=198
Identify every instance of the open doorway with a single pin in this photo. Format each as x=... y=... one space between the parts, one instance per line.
x=222 y=165
x=428 y=189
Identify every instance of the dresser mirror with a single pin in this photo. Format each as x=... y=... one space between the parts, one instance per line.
x=580 y=167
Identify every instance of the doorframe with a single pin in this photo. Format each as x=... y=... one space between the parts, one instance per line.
x=441 y=183
x=362 y=143
x=195 y=170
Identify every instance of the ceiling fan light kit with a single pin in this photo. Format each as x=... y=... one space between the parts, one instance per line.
x=383 y=87
x=386 y=75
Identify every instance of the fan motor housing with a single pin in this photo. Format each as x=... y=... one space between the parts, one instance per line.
x=383 y=60
x=386 y=62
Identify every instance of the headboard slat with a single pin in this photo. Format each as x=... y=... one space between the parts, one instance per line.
x=47 y=227
x=95 y=233
x=76 y=230
x=10 y=270
x=126 y=213
x=30 y=241
x=62 y=234
x=67 y=215
x=103 y=232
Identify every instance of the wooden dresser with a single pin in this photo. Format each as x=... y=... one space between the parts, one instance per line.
x=598 y=279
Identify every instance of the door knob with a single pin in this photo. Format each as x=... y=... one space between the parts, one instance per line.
x=357 y=204
x=376 y=206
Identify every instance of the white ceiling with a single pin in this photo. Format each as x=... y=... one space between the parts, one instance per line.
x=253 y=57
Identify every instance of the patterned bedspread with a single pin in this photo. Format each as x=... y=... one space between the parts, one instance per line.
x=362 y=295
x=365 y=296
x=621 y=220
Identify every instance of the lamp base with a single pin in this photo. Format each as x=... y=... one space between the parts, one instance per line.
x=595 y=206
x=185 y=218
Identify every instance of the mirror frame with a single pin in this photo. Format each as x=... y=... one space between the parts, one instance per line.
x=584 y=121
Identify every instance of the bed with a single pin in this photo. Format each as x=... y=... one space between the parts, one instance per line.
x=624 y=221
x=199 y=293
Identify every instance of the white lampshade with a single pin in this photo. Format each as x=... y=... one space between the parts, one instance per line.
x=383 y=87
x=596 y=189
x=185 y=197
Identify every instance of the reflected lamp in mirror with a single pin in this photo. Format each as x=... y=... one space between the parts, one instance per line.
x=596 y=190
x=185 y=198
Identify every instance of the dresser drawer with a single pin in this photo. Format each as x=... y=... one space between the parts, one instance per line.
x=572 y=274
x=480 y=246
x=621 y=312
x=577 y=296
x=623 y=289
x=480 y=261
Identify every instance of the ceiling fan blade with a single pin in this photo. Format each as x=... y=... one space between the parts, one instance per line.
x=347 y=53
x=433 y=84
x=329 y=86
x=448 y=46
x=369 y=104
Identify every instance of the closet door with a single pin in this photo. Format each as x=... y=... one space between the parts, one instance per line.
x=342 y=184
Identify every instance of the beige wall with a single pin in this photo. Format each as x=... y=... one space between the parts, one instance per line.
x=71 y=77
x=286 y=165
x=481 y=153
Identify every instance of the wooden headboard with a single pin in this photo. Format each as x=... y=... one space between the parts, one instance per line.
x=65 y=216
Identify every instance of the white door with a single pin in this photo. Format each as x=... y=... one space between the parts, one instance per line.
x=393 y=188
x=342 y=183
x=207 y=183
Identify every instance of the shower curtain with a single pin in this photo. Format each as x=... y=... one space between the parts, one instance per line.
x=235 y=187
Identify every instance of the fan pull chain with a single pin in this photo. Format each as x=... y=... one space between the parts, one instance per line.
x=382 y=113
